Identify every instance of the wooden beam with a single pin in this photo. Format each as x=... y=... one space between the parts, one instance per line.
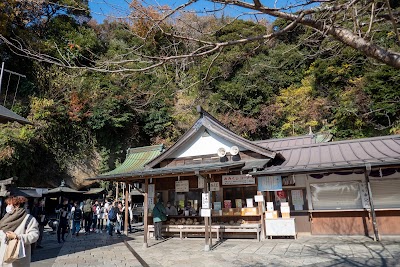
x=116 y=192
x=260 y=211
x=145 y=215
x=126 y=222
x=206 y=220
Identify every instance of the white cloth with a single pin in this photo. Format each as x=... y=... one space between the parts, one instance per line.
x=28 y=236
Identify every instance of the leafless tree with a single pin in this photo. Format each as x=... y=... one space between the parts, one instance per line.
x=354 y=23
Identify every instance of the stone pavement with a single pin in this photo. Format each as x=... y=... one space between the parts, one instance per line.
x=102 y=250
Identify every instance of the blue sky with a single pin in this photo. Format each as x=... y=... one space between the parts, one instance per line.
x=120 y=8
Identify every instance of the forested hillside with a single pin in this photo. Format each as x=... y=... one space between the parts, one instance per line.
x=86 y=112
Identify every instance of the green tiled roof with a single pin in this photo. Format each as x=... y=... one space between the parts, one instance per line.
x=136 y=159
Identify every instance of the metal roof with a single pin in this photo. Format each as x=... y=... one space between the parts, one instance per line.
x=7 y=115
x=174 y=170
x=258 y=164
x=294 y=141
x=136 y=159
x=376 y=151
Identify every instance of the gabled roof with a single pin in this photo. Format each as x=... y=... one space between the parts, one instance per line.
x=294 y=141
x=63 y=189
x=212 y=125
x=7 y=115
x=175 y=170
x=350 y=154
x=136 y=159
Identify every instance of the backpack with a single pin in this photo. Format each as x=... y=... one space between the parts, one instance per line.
x=78 y=215
x=87 y=208
x=112 y=214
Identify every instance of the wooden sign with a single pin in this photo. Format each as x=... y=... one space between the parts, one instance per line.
x=205 y=201
x=238 y=179
x=214 y=186
x=182 y=186
x=200 y=182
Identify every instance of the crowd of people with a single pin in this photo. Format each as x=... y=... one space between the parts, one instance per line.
x=27 y=226
x=91 y=216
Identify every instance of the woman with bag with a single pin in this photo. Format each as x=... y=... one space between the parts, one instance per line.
x=18 y=230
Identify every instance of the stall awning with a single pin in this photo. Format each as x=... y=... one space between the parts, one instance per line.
x=342 y=155
x=174 y=170
x=136 y=159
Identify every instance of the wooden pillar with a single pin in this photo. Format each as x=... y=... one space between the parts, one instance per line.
x=371 y=203
x=206 y=220
x=116 y=192
x=146 y=210
x=126 y=222
x=260 y=211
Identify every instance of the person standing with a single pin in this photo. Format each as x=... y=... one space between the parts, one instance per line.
x=39 y=213
x=107 y=207
x=87 y=215
x=100 y=217
x=76 y=219
x=17 y=224
x=112 y=218
x=119 y=222
x=159 y=216
x=63 y=211
x=95 y=212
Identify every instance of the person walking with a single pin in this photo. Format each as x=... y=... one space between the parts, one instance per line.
x=159 y=216
x=87 y=215
x=63 y=211
x=18 y=224
x=76 y=219
x=39 y=213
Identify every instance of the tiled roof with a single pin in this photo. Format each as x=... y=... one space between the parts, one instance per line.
x=293 y=141
x=7 y=115
x=136 y=159
x=377 y=151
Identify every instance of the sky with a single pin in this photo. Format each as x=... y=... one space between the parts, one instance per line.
x=100 y=9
